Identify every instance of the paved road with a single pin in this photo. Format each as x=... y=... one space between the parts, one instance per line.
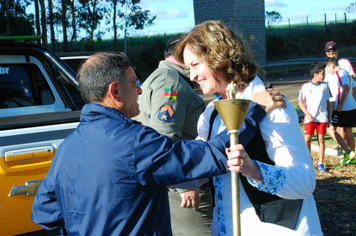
x=290 y=86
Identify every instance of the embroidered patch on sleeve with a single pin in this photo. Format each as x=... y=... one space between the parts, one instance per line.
x=165 y=113
x=170 y=93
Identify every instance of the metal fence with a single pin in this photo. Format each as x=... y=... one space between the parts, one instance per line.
x=294 y=62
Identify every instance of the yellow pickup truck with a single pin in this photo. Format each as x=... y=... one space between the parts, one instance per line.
x=39 y=106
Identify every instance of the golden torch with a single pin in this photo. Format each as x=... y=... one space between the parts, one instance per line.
x=233 y=112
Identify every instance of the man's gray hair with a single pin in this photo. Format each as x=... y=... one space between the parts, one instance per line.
x=98 y=72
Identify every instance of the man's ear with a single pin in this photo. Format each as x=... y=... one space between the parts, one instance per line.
x=113 y=91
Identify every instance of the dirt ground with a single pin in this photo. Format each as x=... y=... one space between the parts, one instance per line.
x=335 y=196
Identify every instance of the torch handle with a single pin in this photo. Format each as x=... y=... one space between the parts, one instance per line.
x=235 y=193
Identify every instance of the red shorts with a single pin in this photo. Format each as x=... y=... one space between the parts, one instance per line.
x=310 y=127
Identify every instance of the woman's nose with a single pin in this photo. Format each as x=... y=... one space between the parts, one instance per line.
x=193 y=76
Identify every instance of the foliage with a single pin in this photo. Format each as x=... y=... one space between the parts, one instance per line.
x=273 y=18
x=351 y=8
x=308 y=41
x=282 y=43
x=135 y=18
x=72 y=15
x=13 y=18
x=145 y=53
x=91 y=12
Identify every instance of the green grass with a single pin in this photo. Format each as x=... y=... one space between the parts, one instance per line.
x=321 y=24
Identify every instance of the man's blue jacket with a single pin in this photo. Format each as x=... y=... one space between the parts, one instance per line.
x=109 y=176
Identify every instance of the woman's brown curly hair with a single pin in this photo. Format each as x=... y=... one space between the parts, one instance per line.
x=221 y=49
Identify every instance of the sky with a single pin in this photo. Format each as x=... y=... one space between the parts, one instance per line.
x=178 y=16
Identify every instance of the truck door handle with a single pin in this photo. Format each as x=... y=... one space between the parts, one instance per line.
x=26 y=159
x=30 y=188
x=28 y=154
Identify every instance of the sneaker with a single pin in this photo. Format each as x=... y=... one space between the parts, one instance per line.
x=349 y=158
x=321 y=167
x=340 y=151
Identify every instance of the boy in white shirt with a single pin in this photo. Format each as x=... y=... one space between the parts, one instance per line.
x=344 y=114
x=314 y=102
x=332 y=50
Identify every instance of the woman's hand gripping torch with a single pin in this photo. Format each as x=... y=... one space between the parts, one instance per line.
x=233 y=112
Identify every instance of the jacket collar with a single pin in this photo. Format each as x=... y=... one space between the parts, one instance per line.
x=94 y=111
x=170 y=65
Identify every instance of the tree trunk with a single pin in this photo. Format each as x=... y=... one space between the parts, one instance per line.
x=74 y=25
x=51 y=24
x=43 y=23
x=92 y=26
x=7 y=17
x=38 y=25
x=64 y=24
x=114 y=24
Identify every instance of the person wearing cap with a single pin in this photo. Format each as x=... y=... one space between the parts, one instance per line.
x=344 y=114
x=332 y=51
x=170 y=105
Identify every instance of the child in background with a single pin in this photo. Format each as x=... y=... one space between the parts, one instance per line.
x=332 y=50
x=313 y=100
x=344 y=114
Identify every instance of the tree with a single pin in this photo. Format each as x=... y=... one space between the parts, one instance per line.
x=91 y=12
x=51 y=23
x=351 y=8
x=64 y=16
x=132 y=16
x=37 y=13
x=13 y=18
x=73 y=11
x=64 y=25
x=6 y=5
x=43 y=23
x=273 y=18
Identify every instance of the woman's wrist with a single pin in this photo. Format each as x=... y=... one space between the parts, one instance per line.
x=257 y=174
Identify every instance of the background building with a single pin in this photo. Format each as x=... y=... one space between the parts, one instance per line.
x=244 y=17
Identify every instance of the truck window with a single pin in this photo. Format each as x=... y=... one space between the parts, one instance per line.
x=23 y=85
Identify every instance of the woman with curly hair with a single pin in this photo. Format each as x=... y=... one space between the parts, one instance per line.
x=277 y=176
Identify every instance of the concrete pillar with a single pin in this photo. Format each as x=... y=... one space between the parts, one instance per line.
x=245 y=17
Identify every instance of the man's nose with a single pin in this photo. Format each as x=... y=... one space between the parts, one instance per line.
x=139 y=90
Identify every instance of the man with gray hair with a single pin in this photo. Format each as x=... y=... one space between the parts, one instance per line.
x=109 y=176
